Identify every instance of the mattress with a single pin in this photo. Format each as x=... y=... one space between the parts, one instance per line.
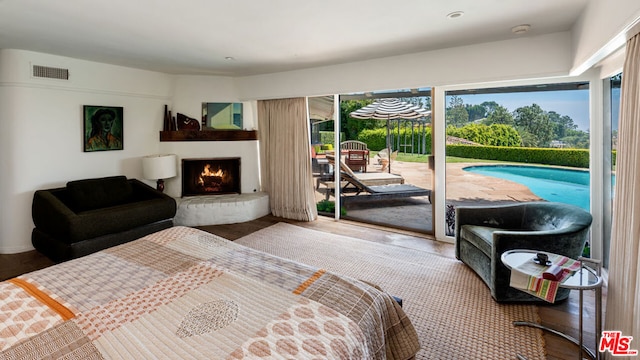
x=182 y=293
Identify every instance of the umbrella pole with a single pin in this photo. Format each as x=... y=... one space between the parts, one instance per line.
x=388 y=147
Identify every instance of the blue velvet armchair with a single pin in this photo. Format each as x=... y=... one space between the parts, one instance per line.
x=483 y=233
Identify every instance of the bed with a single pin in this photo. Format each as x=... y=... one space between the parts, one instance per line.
x=182 y=293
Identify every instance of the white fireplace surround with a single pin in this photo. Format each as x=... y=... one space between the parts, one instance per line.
x=221 y=209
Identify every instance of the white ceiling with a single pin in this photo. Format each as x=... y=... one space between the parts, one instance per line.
x=195 y=36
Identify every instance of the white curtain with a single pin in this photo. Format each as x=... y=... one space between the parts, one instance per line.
x=285 y=158
x=623 y=292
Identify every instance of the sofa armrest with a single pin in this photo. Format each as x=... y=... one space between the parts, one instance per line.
x=51 y=214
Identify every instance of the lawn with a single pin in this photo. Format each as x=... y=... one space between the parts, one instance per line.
x=425 y=158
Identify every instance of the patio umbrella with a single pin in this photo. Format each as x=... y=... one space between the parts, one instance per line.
x=390 y=109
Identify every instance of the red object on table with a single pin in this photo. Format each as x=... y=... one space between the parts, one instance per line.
x=554 y=272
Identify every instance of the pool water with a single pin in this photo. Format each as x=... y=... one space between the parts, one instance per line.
x=552 y=184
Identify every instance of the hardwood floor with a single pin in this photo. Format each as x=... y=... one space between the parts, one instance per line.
x=18 y=264
x=562 y=317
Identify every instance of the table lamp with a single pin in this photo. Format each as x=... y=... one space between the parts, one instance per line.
x=159 y=167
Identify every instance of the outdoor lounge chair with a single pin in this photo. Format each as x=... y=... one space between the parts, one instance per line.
x=356 y=187
x=370 y=178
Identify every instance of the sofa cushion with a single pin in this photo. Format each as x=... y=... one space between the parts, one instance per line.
x=90 y=194
x=480 y=236
x=110 y=220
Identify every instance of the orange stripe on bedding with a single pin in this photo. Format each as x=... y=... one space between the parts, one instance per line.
x=309 y=281
x=65 y=313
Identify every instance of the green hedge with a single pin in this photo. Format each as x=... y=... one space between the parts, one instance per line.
x=375 y=138
x=579 y=158
x=563 y=157
x=326 y=137
x=614 y=156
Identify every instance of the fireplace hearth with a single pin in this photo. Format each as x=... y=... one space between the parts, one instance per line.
x=213 y=176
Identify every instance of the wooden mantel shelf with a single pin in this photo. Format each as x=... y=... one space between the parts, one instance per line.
x=208 y=135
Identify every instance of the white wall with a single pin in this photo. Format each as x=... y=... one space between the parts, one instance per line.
x=600 y=30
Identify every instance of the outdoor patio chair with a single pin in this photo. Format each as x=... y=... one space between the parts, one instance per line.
x=385 y=160
x=357 y=160
x=353 y=145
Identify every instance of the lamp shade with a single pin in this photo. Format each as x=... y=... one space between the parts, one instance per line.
x=155 y=167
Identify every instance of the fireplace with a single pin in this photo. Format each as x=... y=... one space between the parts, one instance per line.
x=210 y=176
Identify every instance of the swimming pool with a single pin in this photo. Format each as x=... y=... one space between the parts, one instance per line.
x=552 y=184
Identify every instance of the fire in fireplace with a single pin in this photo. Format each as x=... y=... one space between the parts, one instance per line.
x=210 y=176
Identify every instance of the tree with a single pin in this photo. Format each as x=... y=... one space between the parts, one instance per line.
x=576 y=139
x=562 y=124
x=456 y=113
x=534 y=121
x=352 y=127
x=421 y=101
x=490 y=106
x=499 y=115
x=476 y=112
x=505 y=135
x=528 y=139
x=494 y=135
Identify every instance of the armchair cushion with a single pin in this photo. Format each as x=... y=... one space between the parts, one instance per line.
x=480 y=236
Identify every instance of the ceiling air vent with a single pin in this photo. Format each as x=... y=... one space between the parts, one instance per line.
x=50 y=72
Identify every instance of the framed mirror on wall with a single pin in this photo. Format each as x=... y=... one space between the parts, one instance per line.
x=221 y=116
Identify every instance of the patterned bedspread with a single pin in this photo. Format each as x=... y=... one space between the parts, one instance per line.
x=186 y=294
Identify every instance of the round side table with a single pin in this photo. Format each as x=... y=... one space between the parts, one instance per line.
x=586 y=278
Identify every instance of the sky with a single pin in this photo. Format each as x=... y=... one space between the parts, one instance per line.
x=573 y=103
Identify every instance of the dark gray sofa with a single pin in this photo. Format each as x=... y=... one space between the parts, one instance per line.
x=483 y=233
x=93 y=214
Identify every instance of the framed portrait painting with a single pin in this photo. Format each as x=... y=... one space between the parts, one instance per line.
x=103 y=128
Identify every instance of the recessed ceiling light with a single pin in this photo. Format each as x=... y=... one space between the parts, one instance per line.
x=229 y=58
x=455 y=14
x=521 y=29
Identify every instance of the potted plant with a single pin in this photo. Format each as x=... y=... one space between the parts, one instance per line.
x=327 y=207
x=450 y=219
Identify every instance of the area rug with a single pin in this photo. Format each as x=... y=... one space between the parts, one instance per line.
x=450 y=307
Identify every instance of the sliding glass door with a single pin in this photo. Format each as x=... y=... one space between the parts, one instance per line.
x=385 y=177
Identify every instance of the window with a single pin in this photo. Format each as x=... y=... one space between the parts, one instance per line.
x=516 y=144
